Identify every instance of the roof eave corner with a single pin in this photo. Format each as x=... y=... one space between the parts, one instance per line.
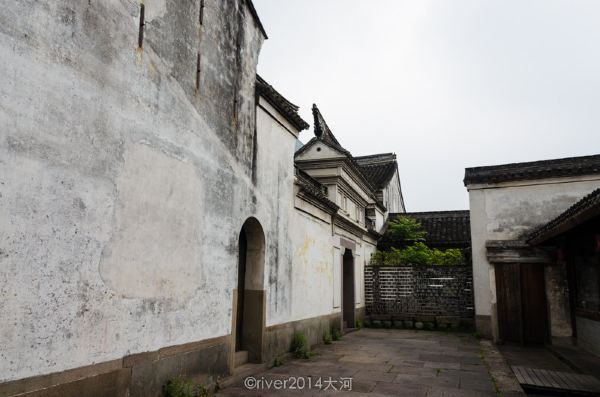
x=257 y=19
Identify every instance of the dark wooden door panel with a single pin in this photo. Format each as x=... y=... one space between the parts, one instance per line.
x=348 y=302
x=508 y=298
x=535 y=315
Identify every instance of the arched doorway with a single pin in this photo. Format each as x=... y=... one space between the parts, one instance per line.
x=250 y=305
x=348 y=298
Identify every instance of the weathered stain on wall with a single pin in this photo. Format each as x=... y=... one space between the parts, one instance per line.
x=512 y=215
x=275 y=174
x=155 y=257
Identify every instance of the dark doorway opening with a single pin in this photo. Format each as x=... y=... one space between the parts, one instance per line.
x=348 y=301
x=239 y=343
x=250 y=302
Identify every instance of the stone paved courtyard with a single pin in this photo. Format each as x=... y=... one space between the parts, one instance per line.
x=385 y=363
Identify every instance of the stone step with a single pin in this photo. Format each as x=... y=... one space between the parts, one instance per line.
x=241 y=358
x=249 y=369
x=240 y=373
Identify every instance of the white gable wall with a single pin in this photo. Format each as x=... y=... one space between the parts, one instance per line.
x=392 y=195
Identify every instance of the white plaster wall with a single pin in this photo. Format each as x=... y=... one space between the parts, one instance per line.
x=275 y=176
x=120 y=205
x=317 y=263
x=337 y=277
x=506 y=211
x=313 y=267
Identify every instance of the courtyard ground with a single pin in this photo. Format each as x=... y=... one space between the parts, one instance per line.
x=384 y=363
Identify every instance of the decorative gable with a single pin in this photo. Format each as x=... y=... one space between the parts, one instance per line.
x=316 y=149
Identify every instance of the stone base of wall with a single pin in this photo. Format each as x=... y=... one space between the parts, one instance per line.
x=144 y=374
x=588 y=334
x=419 y=321
x=360 y=314
x=141 y=374
x=483 y=326
x=278 y=338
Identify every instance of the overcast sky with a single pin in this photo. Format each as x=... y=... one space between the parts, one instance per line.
x=445 y=84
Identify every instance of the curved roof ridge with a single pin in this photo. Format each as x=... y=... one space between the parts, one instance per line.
x=322 y=130
x=444 y=212
x=568 y=166
x=375 y=158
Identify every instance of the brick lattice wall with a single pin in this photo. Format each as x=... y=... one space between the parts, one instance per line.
x=419 y=290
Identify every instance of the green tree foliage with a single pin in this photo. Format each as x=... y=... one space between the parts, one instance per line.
x=406 y=228
x=418 y=254
x=411 y=237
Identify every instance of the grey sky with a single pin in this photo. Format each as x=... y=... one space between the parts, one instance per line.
x=445 y=84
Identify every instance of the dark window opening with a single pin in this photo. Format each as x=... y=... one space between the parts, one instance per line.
x=201 y=17
x=235 y=107
x=198 y=69
x=142 y=24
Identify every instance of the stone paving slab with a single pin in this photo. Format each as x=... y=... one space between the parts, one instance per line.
x=387 y=363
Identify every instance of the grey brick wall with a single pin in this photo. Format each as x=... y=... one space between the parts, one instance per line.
x=419 y=290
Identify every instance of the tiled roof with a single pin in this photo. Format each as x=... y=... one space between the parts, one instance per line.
x=572 y=166
x=378 y=168
x=584 y=209
x=315 y=189
x=445 y=229
x=279 y=102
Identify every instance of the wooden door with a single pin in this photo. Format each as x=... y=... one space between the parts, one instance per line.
x=533 y=297
x=508 y=302
x=521 y=303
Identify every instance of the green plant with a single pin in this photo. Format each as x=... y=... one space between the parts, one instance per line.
x=277 y=362
x=327 y=337
x=405 y=228
x=418 y=254
x=336 y=334
x=358 y=324
x=300 y=347
x=495 y=384
x=179 y=387
x=202 y=391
